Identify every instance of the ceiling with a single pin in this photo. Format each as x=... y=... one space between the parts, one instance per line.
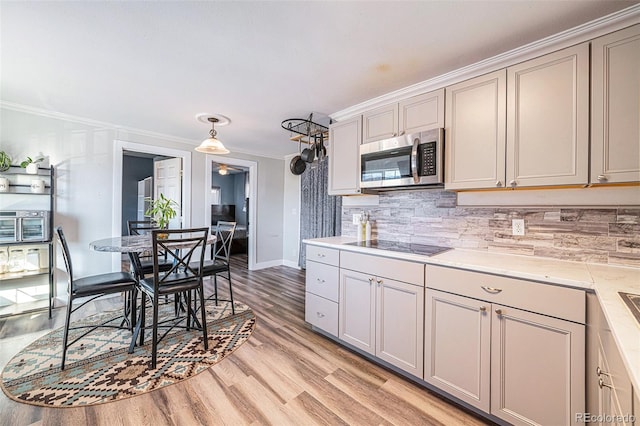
x=154 y=65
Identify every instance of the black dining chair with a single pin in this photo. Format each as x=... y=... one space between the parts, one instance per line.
x=220 y=258
x=145 y=261
x=181 y=245
x=94 y=286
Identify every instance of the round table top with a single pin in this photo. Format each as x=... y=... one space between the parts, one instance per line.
x=131 y=244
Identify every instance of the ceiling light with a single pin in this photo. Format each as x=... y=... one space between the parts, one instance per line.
x=223 y=169
x=211 y=145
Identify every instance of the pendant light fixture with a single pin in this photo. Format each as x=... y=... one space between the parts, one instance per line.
x=212 y=145
x=223 y=170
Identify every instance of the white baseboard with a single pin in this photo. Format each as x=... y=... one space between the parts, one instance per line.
x=278 y=262
x=290 y=264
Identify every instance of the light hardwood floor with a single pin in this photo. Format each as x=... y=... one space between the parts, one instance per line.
x=285 y=374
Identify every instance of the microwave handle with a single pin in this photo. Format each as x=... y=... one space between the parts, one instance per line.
x=414 y=160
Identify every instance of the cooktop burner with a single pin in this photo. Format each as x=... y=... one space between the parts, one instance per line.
x=421 y=249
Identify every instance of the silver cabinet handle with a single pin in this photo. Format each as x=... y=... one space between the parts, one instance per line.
x=483 y=308
x=602 y=384
x=499 y=312
x=321 y=255
x=492 y=290
x=401 y=133
x=379 y=281
x=513 y=183
x=499 y=183
x=319 y=280
x=370 y=280
x=320 y=314
x=602 y=178
x=599 y=372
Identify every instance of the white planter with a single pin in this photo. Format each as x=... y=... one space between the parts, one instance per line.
x=32 y=168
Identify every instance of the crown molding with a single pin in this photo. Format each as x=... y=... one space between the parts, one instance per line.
x=582 y=33
x=121 y=130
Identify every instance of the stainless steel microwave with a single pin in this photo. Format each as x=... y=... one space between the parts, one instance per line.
x=410 y=160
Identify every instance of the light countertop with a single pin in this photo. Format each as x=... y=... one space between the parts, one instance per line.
x=606 y=281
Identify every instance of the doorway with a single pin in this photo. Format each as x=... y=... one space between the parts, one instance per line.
x=231 y=195
x=122 y=147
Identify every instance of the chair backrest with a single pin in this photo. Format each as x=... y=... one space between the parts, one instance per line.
x=65 y=252
x=224 y=238
x=141 y=227
x=180 y=245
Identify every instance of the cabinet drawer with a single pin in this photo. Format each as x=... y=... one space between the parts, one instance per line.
x=322 y=280
x=321 y=313
x=561 y=302
x=323 y=255
x=400 y=270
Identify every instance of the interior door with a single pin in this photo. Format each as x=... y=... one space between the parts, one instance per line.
x=167 y=180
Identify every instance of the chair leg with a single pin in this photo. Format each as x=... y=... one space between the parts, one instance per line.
x=215 y=287
x=233 y=308
x=204 y=317
x=143 y=315
x=65 y=339
x=139 y=326
x=154 y=344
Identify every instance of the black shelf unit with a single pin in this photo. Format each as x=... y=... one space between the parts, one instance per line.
x=18 y=187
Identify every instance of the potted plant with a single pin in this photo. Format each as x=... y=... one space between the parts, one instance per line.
x=31 y=165
x=5 y=161
x=162 y=210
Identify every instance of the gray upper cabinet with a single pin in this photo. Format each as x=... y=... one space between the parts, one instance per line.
x=344 y=157
x=548 y=119
x=411 y=115
x=615 y=107
x=475 y=132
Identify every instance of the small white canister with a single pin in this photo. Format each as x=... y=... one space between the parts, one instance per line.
x=37 y=186
x=4 y=184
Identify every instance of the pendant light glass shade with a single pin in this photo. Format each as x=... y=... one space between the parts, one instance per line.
x=211 y=145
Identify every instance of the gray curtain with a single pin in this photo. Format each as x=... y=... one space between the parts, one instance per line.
x=320 y=213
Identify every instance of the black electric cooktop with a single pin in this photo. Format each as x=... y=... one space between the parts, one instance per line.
x=421 y=249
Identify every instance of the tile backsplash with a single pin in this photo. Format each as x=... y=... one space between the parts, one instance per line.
x=597 y=235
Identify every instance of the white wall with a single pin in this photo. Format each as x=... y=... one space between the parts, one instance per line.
x=291 y=214
x=82 y=153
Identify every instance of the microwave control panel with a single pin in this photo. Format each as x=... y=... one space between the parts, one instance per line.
x=427 y=159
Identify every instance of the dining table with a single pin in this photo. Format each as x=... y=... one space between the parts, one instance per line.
x=135 y=246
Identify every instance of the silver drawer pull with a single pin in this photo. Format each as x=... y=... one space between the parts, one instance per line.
x=491 y=289
x=370 y=280
x=320 y=255
x=499 y=312
x=379 y=281
x=483 y=308
x=320 y=314
x=319 y=280
x=602 y=384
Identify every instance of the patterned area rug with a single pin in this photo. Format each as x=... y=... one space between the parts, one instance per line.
x=99 y=369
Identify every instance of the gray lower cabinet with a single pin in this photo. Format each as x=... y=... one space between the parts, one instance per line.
x=610 y=393
x=321 y=292
x=383 y=317
x=482 y=347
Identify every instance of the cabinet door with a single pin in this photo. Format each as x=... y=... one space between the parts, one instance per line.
x=548 y=119
x=380 y=123
x=422 y=112
x=457 y=346
x=399 y=324
x=475 y=132
x=357 y=305
x=615 y=107
x=344 y=157
x=537 y=368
